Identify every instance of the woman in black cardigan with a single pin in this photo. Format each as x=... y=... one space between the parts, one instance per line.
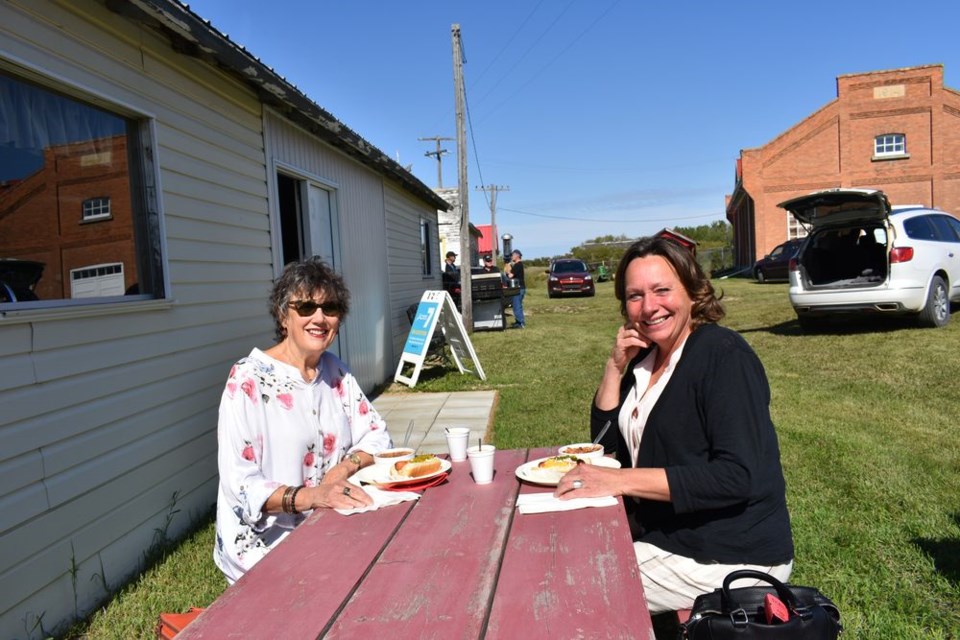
x=701 y=472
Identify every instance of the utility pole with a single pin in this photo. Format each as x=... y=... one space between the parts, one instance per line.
x=466 y=257
x=493 y=189
x=437 y=154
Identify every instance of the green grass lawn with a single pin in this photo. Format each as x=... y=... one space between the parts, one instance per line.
x=867 y=419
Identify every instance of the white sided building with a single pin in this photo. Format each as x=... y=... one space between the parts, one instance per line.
x=154 y=179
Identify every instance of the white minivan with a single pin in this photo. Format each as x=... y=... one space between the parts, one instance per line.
x=864 y=256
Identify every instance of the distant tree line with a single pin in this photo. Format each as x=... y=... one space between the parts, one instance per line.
x=714 y=247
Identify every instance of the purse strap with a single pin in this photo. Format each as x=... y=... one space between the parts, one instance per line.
x=783 y=591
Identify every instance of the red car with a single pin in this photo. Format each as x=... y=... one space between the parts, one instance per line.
x=569 y=277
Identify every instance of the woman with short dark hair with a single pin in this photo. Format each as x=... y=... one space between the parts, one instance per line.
x=701 y=473
x=294 y=423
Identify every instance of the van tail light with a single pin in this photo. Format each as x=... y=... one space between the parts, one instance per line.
x=901 y=254
x=793 y=264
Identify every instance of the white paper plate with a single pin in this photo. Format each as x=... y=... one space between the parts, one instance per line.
x=528 y=471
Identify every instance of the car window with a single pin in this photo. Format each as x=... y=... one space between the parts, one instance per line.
x=776 y=252
x=945 y=232
x=569 y=267
x=955 y=224
x=919 y=228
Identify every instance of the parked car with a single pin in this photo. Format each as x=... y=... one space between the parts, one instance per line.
x=18 y=278
x=776 y=264
x=569 y=276
x=864 y=256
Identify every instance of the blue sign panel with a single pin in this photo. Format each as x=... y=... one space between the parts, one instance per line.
x=425 y=319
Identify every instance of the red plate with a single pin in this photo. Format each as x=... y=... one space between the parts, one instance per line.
x=432 y=481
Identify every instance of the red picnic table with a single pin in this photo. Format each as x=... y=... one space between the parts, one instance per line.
x=460 y=562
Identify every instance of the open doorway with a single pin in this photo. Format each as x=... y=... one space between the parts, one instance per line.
x=308 y=225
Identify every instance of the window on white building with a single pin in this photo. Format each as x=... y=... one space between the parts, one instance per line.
x=890 y=145
x=426 y=252
x=88 y=157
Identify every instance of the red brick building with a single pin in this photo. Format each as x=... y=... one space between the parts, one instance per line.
x=74 y=215
x=896 y=130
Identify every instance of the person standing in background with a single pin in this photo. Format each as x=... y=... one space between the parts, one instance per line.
x=514 y=269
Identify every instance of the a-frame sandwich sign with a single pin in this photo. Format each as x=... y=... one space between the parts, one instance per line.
x=436 y=308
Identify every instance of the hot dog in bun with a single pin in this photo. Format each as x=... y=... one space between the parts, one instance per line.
x=418 y=466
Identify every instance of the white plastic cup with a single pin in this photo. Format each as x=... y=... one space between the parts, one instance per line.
x=457 y=438
x=481 y=463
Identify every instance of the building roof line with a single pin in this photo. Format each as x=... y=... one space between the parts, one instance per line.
x=191 y=35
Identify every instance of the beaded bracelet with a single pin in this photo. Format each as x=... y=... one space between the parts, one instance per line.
x=293 y=500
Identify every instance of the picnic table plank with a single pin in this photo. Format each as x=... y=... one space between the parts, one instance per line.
x=436 y=578
x=554 y=589
x=307 y=578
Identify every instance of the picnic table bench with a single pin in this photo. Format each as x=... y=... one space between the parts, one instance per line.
x=460 y=562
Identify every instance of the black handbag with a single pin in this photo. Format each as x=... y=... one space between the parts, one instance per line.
x=739 y=614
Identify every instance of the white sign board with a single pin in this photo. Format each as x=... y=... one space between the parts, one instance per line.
x=436 y=309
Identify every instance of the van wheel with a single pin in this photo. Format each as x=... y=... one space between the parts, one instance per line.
x=936 y=312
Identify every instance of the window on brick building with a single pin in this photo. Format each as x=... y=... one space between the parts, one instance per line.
x=96 y=209
x=795 y=230
x=64 y=154
x=890 y=145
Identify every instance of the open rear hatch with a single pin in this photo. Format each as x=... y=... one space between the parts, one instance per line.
x=848 y=245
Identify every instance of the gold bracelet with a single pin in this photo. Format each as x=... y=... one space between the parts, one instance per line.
x=293 y=500
x=285 y=500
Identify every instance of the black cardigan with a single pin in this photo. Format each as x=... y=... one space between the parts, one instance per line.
x=711 y=430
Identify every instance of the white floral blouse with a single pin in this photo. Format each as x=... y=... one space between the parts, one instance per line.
x=277 y=429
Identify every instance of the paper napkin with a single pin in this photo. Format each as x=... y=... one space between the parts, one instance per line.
x=381 y=498
x=545 y=502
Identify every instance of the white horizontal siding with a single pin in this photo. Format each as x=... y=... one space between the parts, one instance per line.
x=106 y=417
x=407 y=282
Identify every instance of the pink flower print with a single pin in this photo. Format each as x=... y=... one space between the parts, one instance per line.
x=248 y=452
x=286 y=400
x=373 y=425
x=231 y=388
x=233 y=370
x=339 y=387
x=329 y=443
x=309 y=458
x=309 y=482
x=364 y=408
x=250 y=388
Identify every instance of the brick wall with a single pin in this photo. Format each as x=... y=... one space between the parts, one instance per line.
x=834 y=147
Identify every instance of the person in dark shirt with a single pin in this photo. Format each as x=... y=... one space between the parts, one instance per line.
x=451 y=277
x=488 y=265
x=701 y=474
x=514 y=270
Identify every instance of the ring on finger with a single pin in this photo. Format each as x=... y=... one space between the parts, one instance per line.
x=578 y=484
x=346 y=491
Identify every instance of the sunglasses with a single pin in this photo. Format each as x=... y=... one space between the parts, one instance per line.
x=306 y=308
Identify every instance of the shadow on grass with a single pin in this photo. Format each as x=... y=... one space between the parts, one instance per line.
x=945 y=553
x=839 y=326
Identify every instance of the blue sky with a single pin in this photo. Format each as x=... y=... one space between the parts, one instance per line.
x=601 y=116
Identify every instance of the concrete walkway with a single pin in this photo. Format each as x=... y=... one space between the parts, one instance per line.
x=433 y=412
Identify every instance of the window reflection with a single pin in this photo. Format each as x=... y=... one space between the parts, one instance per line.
x=69 y=215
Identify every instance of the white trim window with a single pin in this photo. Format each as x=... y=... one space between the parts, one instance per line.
x=890 y=145
x=426 y=251
x=96 y=209
x=795 y=230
